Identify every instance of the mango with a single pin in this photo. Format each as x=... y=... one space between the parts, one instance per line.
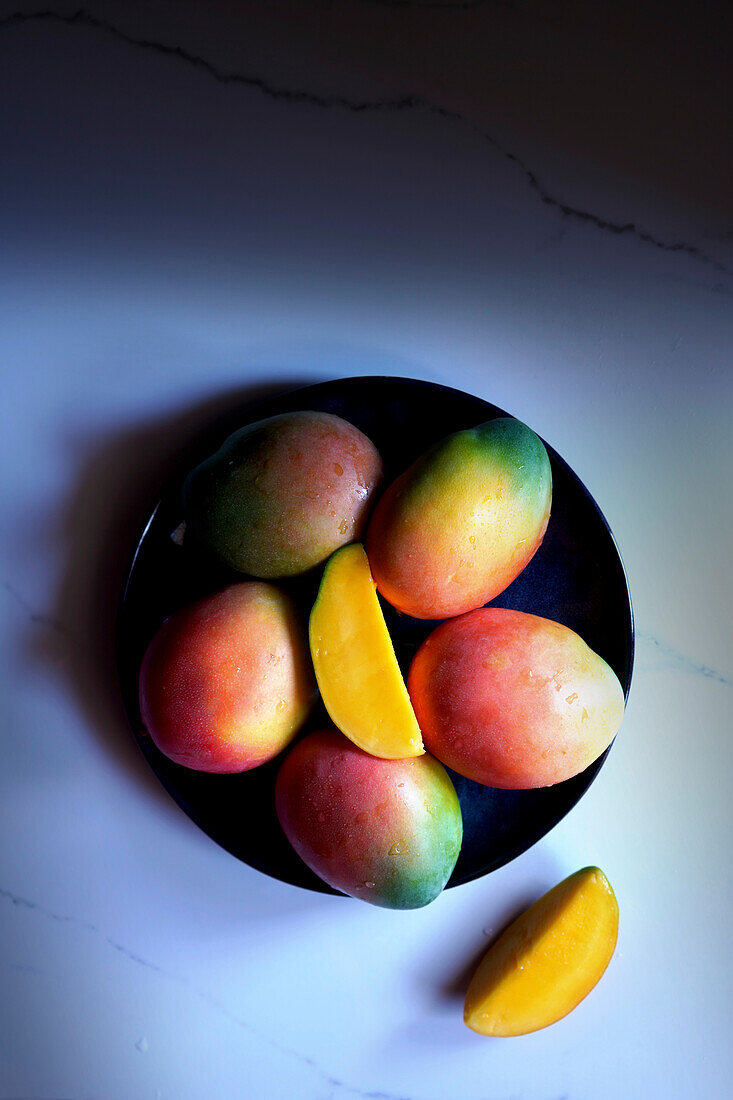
x=356 y=668
x=547 y=960
x=282 y=494
x=513 y=700
x=385 y=831
x=226 y=683
x=456 y=528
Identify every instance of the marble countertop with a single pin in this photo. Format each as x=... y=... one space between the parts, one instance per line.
x=203 y=201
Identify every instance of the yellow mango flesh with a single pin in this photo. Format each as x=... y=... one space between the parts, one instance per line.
x=357 y=672
x=547 y=960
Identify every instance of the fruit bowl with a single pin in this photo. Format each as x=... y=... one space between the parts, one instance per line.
x=576 y=578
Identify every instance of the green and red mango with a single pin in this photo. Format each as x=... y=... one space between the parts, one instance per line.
x=385 y=831
x=456 y=528
x=282 y=494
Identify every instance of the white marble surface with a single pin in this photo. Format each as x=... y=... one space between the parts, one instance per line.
x=199 y=199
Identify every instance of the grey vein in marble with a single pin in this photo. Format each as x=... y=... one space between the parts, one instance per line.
x=36 y=616
x=440 y=5
x=670 y=658
x=24 y=903
x=26 y=968
x=397 y=104
x=20 y=902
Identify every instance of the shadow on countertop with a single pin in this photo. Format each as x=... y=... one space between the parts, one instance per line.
x=120 y=479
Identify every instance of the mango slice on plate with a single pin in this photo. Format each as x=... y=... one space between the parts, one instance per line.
x=356 y=668
x=547 y=960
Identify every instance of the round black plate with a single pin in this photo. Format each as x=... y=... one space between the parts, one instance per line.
x=576 y=578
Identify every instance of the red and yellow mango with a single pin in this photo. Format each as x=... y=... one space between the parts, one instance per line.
x=456 y=528
x=227 y=682
x=513 y=700
x=282 y=494
x=385 y=831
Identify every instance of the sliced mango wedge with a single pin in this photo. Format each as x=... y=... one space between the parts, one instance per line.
x=356 y=668
x=547 y=960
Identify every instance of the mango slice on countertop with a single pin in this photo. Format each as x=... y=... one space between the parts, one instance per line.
x=356 y=668
x=547 y=960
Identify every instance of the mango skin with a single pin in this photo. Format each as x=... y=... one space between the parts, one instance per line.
x=282 y=494
x=386 y=831
x=457 y=527
x=226 y=683
x=512 y=700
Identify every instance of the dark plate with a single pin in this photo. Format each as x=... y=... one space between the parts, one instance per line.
x=576 y=578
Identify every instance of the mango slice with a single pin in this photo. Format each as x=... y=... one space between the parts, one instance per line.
x=356 y=668
x=547 y=960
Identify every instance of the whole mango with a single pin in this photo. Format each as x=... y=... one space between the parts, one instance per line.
x=386 y=831
x=456 y=528
x=282 y=494
x=226 y=683
x=513 y=700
